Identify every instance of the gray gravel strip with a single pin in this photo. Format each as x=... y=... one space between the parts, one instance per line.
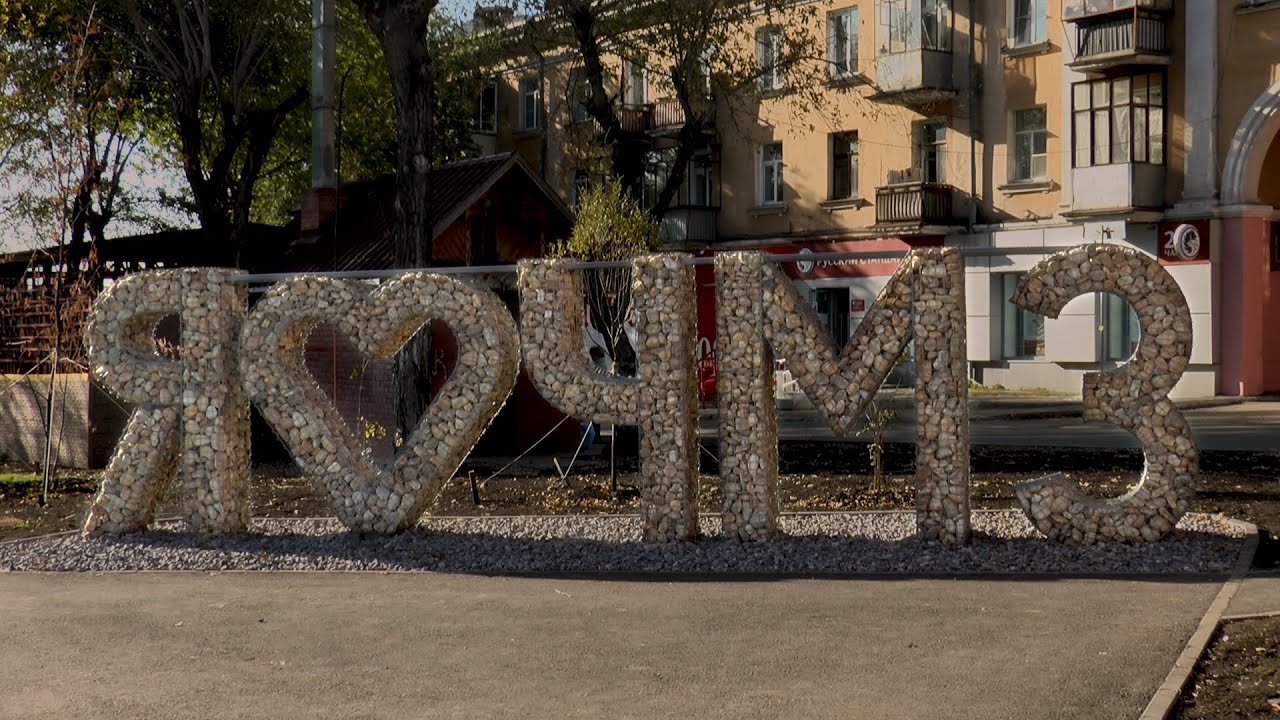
x=815 y=543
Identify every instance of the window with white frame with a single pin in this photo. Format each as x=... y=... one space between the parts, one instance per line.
x=1030 y=145
x=1029 y=20
x=487 y=120
x=844 y=165
x=910 y=25
x=1022 y=334
x=637 y=83
x=842 y=43
x=703 y=69
x=530 y=104
x=897 y=30
x=931 y=151
x=1119 y=120
x=770 y=174
x=769 y=58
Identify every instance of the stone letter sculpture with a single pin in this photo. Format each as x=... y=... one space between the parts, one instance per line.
x=363 y=497
x=190 y=417
x=661 y=399
x=1134 y=396
x=759 y=310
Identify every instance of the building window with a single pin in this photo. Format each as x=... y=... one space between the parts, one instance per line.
x=832 y=307
x=769 y=58
x=842 y=43
x=581 y=182
x=637 y=84
x=935 y=25
x=1029 y=20
x=579 y=95
x=844 y=166
x=487 y=120
x=1121 y=330
x=770 y=174
x=895 y=27
x=931 y=151
x=657 y=170
x=1030 y=145
x=702 y=79
x=910 y=25
x=700 y=180
x=1119 y=120
x=1022 y=336
x=530 y=104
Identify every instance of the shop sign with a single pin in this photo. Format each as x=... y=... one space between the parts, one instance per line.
x=1184 y=242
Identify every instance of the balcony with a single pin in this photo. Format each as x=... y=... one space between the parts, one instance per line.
x=689 y=224
x=916 y=204
x=664 y=117
x=1120 y=36
x=1118 y=187
x=914 y=78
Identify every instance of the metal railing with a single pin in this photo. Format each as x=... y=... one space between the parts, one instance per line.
x=689 y=223
x=922 y=203
x=1141 y=32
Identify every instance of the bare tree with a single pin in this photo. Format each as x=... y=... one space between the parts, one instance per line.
x=71 y=128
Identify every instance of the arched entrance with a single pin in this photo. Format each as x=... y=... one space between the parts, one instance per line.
x=1249 y=288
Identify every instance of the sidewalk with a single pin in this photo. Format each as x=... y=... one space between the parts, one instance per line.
x=1008 y=405
x=280 y=646
x=1259 y=594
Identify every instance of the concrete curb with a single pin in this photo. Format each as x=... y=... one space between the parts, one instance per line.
x=1251 y=616
x=1170 y=691
x=1074 y=409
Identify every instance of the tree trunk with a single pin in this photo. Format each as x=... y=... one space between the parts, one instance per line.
x=401 y=29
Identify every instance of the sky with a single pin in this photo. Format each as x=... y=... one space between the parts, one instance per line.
x=460 y=9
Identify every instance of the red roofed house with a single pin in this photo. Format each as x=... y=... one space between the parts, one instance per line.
x=491 y=210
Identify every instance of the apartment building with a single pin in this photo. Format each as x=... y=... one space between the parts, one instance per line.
x=1009 y=127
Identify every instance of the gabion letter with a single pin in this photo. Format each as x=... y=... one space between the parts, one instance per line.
x=191 y=414
x=1134 y=396
x=363 y=497
x=748 y=406
x=759 y=307
x=661 y=399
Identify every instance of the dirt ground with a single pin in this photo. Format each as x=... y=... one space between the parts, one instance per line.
x=1237 y=678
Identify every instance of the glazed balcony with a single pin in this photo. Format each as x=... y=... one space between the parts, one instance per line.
x=1118 y=187
x=914 y=78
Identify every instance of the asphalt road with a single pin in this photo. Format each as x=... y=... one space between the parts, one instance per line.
x=1253 y=426
x=280 y=646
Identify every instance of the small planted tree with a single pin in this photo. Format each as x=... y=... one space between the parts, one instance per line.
x=609 y=226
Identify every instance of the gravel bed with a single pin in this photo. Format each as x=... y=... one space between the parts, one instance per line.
x=815 y=543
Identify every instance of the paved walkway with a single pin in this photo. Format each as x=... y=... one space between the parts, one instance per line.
x=1259 y=594
x=446 y=646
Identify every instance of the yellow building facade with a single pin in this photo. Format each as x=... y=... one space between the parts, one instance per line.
x=1005 y=127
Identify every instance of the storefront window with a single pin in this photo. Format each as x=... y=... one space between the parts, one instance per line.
x=1023 y=331
x=1120 y=328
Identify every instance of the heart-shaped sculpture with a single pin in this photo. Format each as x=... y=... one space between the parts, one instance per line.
x=365 y=498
